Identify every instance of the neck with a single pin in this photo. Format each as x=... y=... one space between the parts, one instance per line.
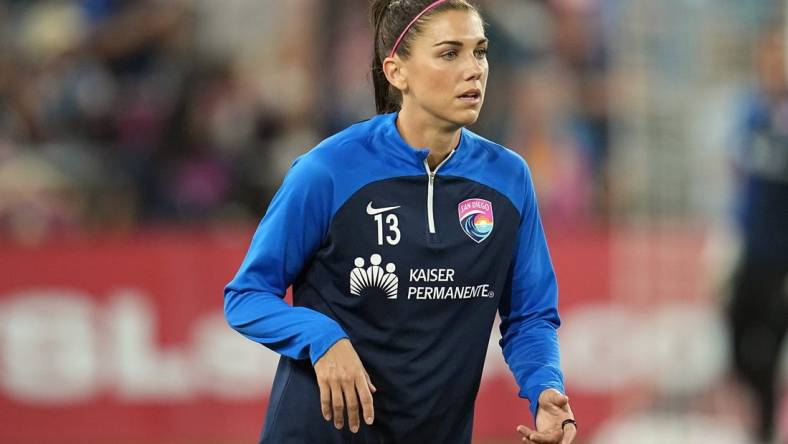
x=420 y=130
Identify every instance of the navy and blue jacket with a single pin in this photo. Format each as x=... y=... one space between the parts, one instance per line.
x=762 y=160
x=410 y=265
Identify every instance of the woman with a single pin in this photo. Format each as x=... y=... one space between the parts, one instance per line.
x=402 y=236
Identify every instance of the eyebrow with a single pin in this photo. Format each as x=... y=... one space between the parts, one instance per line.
x=458 y=43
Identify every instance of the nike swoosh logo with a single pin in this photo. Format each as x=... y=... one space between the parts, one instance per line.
x=373 y=211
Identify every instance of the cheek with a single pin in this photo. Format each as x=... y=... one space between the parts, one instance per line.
x=434 y=82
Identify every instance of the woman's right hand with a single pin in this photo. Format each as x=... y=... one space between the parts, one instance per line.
x=343 y=381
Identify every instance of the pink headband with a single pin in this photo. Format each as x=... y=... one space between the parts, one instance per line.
x=407 y=28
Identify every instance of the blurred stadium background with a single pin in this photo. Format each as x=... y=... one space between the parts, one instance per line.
x=140 y=142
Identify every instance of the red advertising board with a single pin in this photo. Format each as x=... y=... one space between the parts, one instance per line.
x=124 y=340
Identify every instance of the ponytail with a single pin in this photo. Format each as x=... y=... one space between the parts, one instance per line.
x=385 y=98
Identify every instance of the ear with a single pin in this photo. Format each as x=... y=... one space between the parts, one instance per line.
x=396 y=73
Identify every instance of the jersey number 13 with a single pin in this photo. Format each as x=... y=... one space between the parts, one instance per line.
x=392 y=223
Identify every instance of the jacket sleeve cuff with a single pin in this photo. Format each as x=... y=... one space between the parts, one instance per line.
x=325 y=342
x=543 y=379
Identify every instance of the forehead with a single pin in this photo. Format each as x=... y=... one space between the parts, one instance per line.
x=453 y=25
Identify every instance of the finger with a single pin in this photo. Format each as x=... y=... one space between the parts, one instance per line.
x=547 y=437
x=351 y=403
x=524 y=432
x=367 y=404
x=325 y=399
x=338 y=404
x=369 y=381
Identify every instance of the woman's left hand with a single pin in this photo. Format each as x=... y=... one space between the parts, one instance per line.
x=553 y=410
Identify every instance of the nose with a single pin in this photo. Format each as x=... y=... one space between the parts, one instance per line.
x=474 y=68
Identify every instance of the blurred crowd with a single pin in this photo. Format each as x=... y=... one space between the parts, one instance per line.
x=118 y=114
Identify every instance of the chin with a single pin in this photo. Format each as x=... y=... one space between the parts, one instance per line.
x=458 y=117
x=466 y=117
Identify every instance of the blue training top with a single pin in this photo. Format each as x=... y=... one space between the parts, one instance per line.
x=762 y=159
x=411 y=266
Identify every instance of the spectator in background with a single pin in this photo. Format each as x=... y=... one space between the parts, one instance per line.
x=580 y=45
x=552 y=96
x=758 y=312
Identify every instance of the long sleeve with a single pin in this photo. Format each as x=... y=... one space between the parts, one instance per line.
x=285 y=241
x=529 y=317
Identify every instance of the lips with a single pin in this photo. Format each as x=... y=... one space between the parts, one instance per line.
x=471 y=97
x=471 y=94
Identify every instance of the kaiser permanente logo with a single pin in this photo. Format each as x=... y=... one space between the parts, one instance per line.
x=374 y=276
x=425 y=283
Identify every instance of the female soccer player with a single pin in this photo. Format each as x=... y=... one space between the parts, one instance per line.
x=402 y=236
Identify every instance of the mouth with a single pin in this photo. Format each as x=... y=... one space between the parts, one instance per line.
x=471 y=96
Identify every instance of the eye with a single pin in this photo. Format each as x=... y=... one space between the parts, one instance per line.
x=481 y=53
x=449 y=55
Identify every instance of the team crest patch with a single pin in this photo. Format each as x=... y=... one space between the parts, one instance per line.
x=476 y=218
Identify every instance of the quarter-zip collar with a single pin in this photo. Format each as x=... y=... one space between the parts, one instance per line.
x=430 y=191
x=400 y=149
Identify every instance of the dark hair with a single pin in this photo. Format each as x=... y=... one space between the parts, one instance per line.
x=389 y=18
